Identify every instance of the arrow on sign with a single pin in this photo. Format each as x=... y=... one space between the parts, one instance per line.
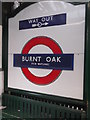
x=39 y=24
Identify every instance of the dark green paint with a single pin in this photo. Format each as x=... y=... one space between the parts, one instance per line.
x=87 y=61
x=85 y=104
x=38 y=109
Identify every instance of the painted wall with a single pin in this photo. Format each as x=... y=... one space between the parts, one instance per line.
x=1 y=72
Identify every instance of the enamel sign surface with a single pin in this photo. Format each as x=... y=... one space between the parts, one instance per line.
x=46 y=49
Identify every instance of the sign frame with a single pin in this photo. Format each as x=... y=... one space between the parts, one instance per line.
x=86 y=96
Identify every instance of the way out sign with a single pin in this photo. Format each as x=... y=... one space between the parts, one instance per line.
x=46 y=49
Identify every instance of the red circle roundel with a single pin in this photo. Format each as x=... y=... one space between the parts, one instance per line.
x=55 y=49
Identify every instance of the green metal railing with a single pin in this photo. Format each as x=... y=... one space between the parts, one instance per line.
x=20 y=107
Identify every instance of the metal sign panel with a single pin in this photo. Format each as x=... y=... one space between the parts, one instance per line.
x=46 y=49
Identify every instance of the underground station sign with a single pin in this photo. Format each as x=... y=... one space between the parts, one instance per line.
x=56 y=61
x=46 y=49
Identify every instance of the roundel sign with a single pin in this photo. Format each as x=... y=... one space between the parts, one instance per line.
x=55 y=49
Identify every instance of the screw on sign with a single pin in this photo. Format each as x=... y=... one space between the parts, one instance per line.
x=55 y=49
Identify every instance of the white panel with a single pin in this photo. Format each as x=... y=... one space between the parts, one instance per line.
x=70 y=38
x=1 y=82
x=0 y=46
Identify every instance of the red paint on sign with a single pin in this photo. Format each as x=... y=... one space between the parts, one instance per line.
x=55 y=49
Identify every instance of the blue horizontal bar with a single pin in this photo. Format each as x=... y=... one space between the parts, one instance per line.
x=45 y=61
x=45 y=21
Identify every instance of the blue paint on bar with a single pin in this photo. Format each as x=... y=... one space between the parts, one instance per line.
x=45 y=21
x=45 y=61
